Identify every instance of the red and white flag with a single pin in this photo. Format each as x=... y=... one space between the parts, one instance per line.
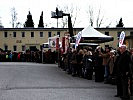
x=53 y=42
x=78 y=38
x=121 y=39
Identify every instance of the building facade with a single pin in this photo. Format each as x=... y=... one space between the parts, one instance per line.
x=21 y=39
x=115 y=33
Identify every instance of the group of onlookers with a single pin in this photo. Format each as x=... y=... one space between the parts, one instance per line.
x=29 y=56
x=109 y=66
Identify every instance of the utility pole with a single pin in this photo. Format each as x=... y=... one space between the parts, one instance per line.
x=57 y=14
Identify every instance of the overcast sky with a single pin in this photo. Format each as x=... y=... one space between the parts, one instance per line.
x=112 y=10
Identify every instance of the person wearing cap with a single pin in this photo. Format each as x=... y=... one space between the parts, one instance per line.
x=122 y=73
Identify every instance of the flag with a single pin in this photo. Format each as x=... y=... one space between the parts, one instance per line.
x=121 y=39
x=57 y=43
x=78 y=38
x=63 y=44
x=53 y=42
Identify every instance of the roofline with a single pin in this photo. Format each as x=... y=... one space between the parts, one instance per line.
x=31 y=28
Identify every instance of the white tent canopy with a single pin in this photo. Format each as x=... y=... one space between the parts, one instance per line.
x=89 y=33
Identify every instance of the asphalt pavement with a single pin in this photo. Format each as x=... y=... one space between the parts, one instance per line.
x=33 y=81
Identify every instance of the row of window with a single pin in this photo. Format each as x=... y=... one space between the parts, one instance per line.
x=14 y=48
x=32 y=34
x=118 y=34
x=50 y=34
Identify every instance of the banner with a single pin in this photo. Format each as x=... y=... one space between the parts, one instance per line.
x=78 y=38
x=53 y=42
x=57 y=44
x=63 y=44
x=121 y=39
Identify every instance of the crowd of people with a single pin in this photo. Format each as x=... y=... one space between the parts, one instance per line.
x=29 y=56
x=109 y=66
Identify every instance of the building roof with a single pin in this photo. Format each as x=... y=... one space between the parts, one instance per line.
x=38 y=29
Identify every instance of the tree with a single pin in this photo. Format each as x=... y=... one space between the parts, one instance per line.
x=91 y=17
x=29 y=22
x=14 y=22
x=120 y=24
x=1 y=24
x=41 y=24
x=99 y=21
x=73 y=14
x=14 y=17
x=95 y=17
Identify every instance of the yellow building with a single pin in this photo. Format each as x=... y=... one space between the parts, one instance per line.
x=21 y=39
x=115 y=32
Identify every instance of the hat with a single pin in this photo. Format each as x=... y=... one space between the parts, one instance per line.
x=123 y=46
x=112 y=51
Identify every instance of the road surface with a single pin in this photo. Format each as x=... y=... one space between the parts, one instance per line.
x=32 y=81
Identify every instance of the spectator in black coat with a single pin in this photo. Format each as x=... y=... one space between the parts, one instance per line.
x=122 y=72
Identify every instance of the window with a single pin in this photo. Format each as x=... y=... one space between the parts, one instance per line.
x=32 y=34
x=5 y=34
x=118 y=34
x=15 y=48
x=23 y=34
x=107 y=33
x=23 y=48
x=131 y=33
x=41 y=34
x=49 y=34
x=58 y=33
x=6 y=47
x=14 y=34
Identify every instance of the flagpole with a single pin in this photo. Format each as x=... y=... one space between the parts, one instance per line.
x=42 y=54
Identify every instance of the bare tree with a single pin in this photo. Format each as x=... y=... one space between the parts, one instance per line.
x=18 y=25
x=1 y=23
x=91 y=15
x=73 y=13
x=14 y=17
x=14 y=22
x=76 y=15
x=99 y=20
x=96 y=18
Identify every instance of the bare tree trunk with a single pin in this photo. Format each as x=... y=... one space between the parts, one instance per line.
x=14 y=17
x=90 y=15
x=98 y=19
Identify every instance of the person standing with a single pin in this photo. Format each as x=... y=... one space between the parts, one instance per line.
x=106 y=56
x=74 y=63
x=98 y=67
x=122 y=73
x=131 y=73
x=79 y=58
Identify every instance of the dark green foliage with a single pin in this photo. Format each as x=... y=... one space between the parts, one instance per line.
x=41 y=21
x=29 y=22
x=120 y=24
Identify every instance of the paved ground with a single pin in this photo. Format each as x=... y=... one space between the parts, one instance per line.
x=31 y=81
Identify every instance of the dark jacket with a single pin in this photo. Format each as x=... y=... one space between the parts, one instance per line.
x=123 y=63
